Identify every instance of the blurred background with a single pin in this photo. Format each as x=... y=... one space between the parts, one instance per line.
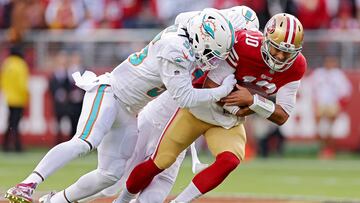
x=42 y=42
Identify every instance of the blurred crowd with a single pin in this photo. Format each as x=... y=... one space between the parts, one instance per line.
x=20 y=15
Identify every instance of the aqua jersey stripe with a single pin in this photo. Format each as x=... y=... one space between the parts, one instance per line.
x=94 y=111
x=232 y=35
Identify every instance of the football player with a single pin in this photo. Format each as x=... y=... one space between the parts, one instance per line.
x=166 y=63
x=272 y=62
x=152 y=119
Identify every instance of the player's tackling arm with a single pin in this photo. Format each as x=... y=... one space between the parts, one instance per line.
x=177 y=80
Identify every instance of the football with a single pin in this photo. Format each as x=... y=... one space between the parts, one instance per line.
x=253 y=89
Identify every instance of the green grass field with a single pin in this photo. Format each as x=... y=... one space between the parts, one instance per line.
x=304 y=179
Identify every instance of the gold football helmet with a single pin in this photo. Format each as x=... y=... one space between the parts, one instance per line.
x=282 y=33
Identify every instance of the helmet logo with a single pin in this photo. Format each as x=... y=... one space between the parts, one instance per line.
x=209 y=28
x=271 y=28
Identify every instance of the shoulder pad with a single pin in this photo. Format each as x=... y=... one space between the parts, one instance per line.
x=177 y=49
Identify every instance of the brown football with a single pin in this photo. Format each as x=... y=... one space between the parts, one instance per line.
x=253 y=89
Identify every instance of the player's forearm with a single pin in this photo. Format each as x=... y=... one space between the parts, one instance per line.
x=279 y=116
x=244 y=111
x=186 y=96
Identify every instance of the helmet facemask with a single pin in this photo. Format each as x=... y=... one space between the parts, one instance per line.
x=209 y=59
x=273 y=62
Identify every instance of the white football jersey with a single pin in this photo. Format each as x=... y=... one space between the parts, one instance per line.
x=141 y=77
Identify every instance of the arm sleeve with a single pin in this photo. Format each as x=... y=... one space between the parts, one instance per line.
x=177 y=81
x=286 y=96
x=218 y=74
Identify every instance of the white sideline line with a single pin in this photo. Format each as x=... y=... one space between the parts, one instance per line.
x=284 y=197
x=252 y=196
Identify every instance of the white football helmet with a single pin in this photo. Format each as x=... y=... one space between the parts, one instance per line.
x=283 y=32
x=211 y=36
x=242 y=17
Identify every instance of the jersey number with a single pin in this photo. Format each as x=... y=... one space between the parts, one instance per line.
x=138 y=57
x=156 y=91
x=269 y=87
x=252 y=40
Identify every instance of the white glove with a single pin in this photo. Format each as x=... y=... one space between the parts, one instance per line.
x=229 y=82
x=226 y=87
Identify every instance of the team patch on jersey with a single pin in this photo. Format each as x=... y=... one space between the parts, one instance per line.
x=178 y=60
x=182 y=58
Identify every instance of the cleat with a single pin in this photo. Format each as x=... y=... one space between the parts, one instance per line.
x=21 y=193
x=46 y=198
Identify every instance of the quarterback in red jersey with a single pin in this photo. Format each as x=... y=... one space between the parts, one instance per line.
x=271 y=64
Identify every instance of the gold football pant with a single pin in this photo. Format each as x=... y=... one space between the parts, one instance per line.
x=184 y=129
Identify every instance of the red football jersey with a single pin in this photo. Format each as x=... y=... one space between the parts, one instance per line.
x=250 y=67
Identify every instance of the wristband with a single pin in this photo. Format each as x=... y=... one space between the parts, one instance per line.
x=262 y=106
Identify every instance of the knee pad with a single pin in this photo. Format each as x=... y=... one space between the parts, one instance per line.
x=107 y=176
x=77 y=146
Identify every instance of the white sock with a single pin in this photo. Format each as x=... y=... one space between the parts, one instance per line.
x=111 y=191
x=93 y=197
x=125 y=196
x=190 y=193
x=157 y=191
x=34 y=177
x=60 y=155
x=89 y=184
x=59 y=197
